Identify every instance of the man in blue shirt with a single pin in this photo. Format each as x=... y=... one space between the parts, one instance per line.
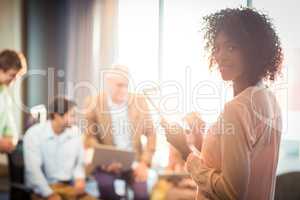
x=54 y=156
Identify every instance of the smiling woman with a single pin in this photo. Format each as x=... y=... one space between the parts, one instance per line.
x=239 y=154
x=247 y=35
x=229 y=57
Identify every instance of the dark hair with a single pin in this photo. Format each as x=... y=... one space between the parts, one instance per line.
x=254 y=32
x=60 y=106
x=10 y=59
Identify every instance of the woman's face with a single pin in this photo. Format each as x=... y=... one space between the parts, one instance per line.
x=228 y=56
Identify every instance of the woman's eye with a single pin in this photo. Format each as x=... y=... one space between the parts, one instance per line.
x=215 y=49
x=231 y=48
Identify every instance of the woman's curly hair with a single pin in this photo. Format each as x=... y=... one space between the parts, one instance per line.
x=256 y=36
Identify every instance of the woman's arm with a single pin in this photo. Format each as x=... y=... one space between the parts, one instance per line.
x=182 y=139
x=231 y=181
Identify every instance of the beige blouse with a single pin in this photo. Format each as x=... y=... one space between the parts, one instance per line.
x=240 y=152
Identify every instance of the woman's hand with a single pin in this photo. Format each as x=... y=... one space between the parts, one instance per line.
x=193 y=163
x=195 y=122
x=197 y=127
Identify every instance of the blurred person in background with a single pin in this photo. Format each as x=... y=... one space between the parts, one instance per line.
x=119 y=118
x=12 y=65
x=54 y=155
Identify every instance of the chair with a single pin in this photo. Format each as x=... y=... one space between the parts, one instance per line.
x=17 y=190
x=287 y=186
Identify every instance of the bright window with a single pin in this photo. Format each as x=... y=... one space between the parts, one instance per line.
x=138 y=38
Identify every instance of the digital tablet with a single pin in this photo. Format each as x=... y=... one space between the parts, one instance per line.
x=104 y=155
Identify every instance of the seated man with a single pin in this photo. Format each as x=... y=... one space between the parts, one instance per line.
x=116 y=117
x=54 y=156
x=11 y=64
